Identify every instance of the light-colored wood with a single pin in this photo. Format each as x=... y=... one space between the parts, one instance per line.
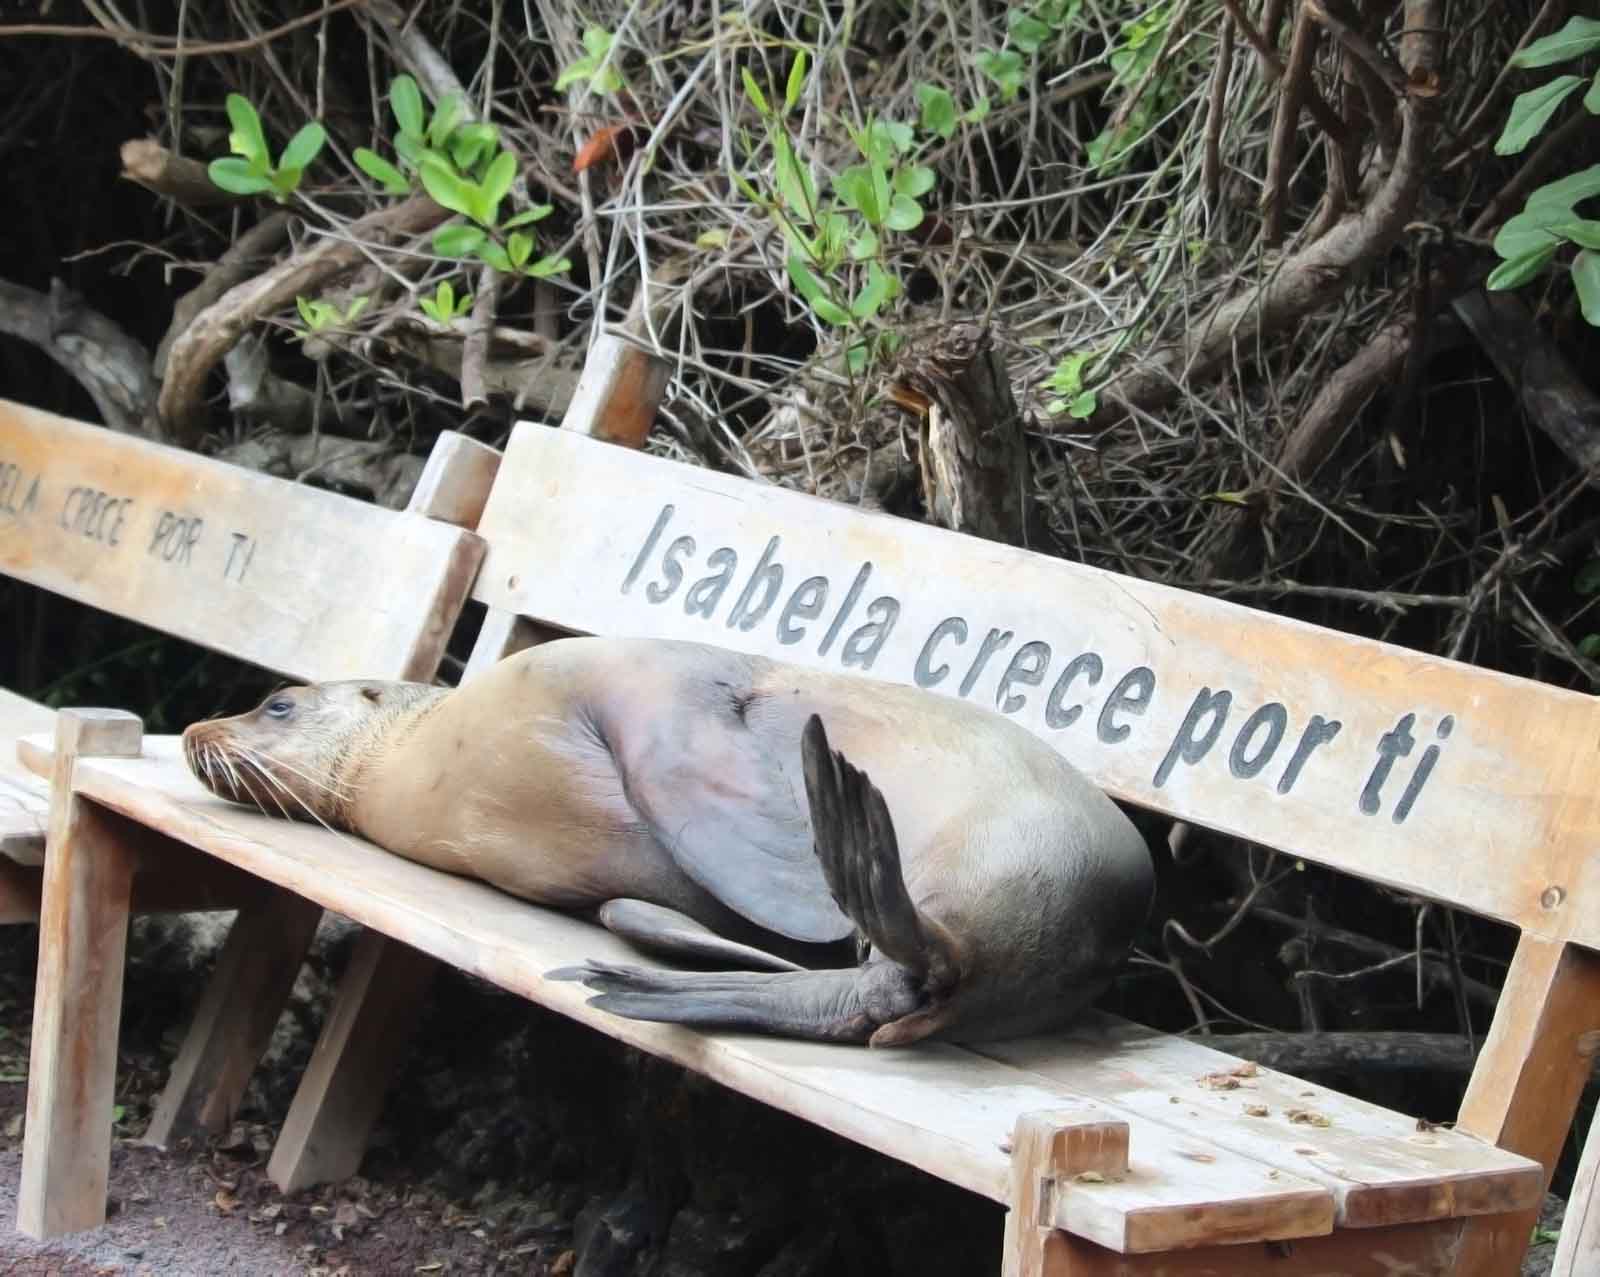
x=72 y=1071
x=1578 y=1250
x=289 y=577
x=1452 y=782
x=1378 y=1166
x=618 y=393
x=24 y=798
x=945 y=1110
x=325 y=1132
x=233 y=1022
x=1410 y=1250
x=455 y=482
x=1529 y=1075
x=1047 y=1150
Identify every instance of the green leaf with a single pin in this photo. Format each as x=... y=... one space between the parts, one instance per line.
x=978 y=112
x=1588 y=579
x=358 y=305
x=1591 y=99
x=597 y=40
x=914 y=181
x=463 y=305
x=496 y=182
x=1584 y=233
x=303 y=147
x=830 y=312
x=1567 y=191
x=430 y=309
x=458 y=241
x=445 y=188
x=444 y=120
x=753 y=91
x=470 y=143
x=1586 y=278
x=380 y=170
x=1579 y=36
x=535 y=214
x=519 y=247
x=856 y=188
x=795 y=184
x=805 y=283
x=235 y=176
x=904 y=214
x=246 y=139
x=1520 y=269
x=1589 y=647
x=1084 y=405
x=405 y=100
x=864 y=245
x=547 y=266
x=494 y=255
x=879 y=288
x=445 y=295
x=1529 y=230
x=856 y=357
x=1004 y=68
x=1530 y=112
x=410 y=149
x=797 y=81
x=307 y=313
x=889 y=138
x=1026 y=31
x=938 y=110
x=582 y=69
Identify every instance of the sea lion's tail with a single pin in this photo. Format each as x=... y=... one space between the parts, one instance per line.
x=898 y=995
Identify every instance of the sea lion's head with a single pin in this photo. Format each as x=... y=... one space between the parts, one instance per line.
x=300 y=752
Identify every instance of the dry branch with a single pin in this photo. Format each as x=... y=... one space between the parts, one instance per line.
x=152 y=166
x=247 y=256
x=110 y=365
x=214 y=331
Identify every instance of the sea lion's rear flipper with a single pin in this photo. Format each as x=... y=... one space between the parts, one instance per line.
x=885 y=1002
x=860 y=858
x=657 y=929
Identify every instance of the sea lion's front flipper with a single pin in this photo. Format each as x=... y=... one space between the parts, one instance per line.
x=860 y=857
x=657 y=929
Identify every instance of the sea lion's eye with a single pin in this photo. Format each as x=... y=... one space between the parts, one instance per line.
x=279 y=708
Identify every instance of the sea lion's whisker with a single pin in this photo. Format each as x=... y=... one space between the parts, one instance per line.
x=277 y=785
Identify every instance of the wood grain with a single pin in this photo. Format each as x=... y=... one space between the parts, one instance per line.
x=1455 y=783
x=288 y=577
x=945 y=1110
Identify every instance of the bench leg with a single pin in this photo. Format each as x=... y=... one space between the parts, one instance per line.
x=1578 y=1251
x=1047 y=1148
x=341 y=1095
x=1526 y=1084
x=233 y=1023
x=83 y=933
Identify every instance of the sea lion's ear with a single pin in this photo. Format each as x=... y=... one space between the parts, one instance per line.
x=372 y=693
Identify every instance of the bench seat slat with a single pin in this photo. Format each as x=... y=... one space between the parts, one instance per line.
x=943 y=1109
x=1380 y=1168
x=24 y=797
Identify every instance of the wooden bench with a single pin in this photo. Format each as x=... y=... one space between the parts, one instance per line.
x=1112 y=1146
x=296 y=580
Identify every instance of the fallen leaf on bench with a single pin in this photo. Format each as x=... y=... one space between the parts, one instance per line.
x=1196 y=1156
x=1308 y=1117
x=225 y=1201
x=1256 y=1110
x=1089 y=1177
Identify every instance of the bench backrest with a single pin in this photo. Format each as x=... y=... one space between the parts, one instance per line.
x=1453 y=782
x=295 y=579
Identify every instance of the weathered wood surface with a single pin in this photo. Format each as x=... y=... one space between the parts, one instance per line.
x=946 y=1110
x=72 y=1069
x=289 y=577
x=1378 y=1166
x=1453 y=782
x=1578 y=1250
x=24 y=797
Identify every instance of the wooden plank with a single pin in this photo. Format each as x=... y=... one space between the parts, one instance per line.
x=289 y=577
x=24 y=798
x=1378 y=1166
x=1578 y=1250
x=1438 y=778
x=618 y=393
x=1410 y=1250
x=945 y=1110
x=362 y=1043
x=1048 y=1149
x=233 y=1022
x=1528 y=1078
x=455 y=482
x=72 y=1071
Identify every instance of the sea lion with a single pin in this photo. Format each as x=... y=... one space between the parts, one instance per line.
x=708 y=804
